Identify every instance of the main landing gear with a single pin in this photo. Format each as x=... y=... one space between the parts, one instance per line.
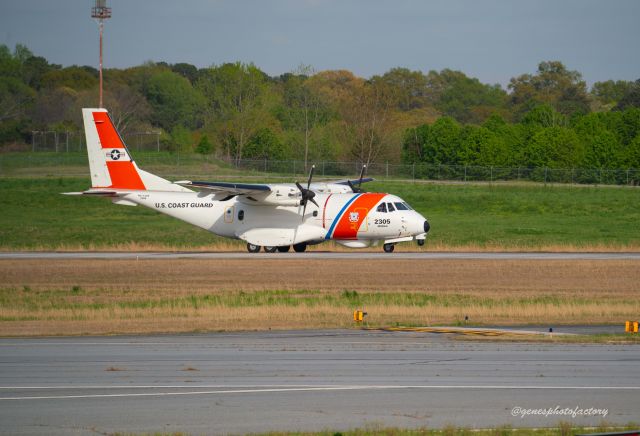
x=298 y=248
x=253 y=248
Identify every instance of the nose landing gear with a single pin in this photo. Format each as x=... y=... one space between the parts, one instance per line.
x=388 y=248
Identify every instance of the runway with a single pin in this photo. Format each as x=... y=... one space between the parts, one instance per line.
x=307 y=380
x=356 y=255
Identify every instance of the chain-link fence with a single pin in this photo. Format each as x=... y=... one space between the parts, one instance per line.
x=70 y=141
x=462 y=173
x=207 y=167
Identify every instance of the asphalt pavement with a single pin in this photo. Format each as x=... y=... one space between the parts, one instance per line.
x=307 y=380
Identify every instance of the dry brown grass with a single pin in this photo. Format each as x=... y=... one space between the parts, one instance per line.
x=39 y=296
x=227 y=246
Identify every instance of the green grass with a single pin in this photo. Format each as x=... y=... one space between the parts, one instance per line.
x=526 y=216
x=35 y=215
x=77 y=298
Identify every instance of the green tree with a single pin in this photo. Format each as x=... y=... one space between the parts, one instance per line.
x=181 y=140
x=204 y=145
x=444 y=142
x=304 y=108
x=173 y=101
x=481 y=146
x=552 y=84
x=631 y=97
x=465 y=98
x=409 y=87
x=610 y=92
x=235 y=95
x=265 y=144
x=554 y=147
x=413 y=143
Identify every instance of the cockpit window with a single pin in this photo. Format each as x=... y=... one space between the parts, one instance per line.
x=382 y=208
x=390 y=207
x=401 y=206
x=408 y=207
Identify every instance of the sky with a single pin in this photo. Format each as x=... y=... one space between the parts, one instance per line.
x=492 y=40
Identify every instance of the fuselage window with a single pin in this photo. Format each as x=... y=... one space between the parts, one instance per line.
x=382 y=208
x=240 y=215
x=390 y=207
x=401 y=206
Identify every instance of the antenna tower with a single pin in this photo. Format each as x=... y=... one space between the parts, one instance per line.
x=101 y=12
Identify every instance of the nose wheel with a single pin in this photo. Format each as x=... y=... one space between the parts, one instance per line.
x=420 y=242
x=388 y=248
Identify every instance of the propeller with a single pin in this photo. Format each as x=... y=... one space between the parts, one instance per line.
x=307 y=194
x=359 y=188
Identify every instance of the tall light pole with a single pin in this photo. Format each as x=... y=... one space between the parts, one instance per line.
x=101 y=12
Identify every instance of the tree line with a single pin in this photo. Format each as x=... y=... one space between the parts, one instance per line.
x=548 y=118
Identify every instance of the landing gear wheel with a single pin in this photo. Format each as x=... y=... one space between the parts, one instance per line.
x=388 y=248
x=299 y=248
x=283 y=249
x=253 y=248
x=420 y=242
x=269 y=249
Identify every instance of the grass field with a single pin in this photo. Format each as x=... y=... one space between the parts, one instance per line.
x=115 y=296
x=463 y=217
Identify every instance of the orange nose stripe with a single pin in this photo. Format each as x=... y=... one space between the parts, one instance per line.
x=352 y=219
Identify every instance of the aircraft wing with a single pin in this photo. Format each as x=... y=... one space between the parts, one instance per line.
x=353 y=181
x=228 y=188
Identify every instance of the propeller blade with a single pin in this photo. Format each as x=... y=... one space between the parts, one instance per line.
x=364 y=168
x=314 y=202
x=313 y=167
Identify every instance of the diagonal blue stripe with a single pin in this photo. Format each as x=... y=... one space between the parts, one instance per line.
x=339 y=216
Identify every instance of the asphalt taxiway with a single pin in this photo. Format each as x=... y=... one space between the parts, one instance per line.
x=307 y=380
x=320 y=255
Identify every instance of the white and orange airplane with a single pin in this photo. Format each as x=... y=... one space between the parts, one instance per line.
x=273 y=216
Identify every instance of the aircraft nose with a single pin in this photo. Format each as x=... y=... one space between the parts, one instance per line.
x=426 y=226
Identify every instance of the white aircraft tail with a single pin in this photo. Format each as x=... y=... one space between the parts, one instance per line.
x=110 y=162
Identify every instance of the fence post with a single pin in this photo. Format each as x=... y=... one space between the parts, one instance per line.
x=294 y=167
x=413 y=171
x=33 y=140
x=465 y=173
x=388 y=170
x=545 y=175
x=265 y=164
x=491 y=174
x=627 y=176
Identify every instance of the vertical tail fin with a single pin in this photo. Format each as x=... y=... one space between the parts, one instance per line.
x=110 y=162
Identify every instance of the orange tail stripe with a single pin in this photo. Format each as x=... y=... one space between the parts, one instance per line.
x=124 y=176
x=109 y=138
x=123 y=173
